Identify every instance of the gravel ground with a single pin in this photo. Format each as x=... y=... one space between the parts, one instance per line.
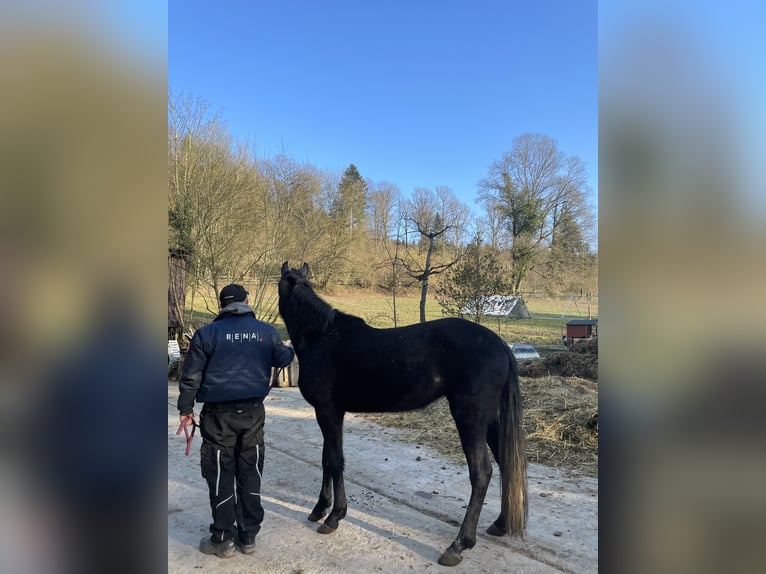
x=405 y=506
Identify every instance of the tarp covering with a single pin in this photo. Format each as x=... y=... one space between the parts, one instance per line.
x=501 y=306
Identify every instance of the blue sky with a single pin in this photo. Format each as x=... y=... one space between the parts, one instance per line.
x=417 y=93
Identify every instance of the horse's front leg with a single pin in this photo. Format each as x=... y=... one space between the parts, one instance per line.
x=331 y=424
x=325 y=494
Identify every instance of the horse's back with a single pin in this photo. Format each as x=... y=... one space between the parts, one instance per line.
x=365 y=369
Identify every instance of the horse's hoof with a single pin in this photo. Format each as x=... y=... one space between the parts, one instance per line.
x=450 y=558
x=325 y=529
x=313 y=517
x=493 y=530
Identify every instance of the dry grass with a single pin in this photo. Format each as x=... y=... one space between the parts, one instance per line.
x=560 y=418
x=562 y=364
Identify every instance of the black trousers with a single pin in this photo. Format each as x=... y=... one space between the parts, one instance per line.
x=232 y=464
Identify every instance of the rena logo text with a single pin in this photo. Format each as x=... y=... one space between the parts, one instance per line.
x=243 y=337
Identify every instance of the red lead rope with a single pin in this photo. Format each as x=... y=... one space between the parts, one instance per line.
x=189 y=435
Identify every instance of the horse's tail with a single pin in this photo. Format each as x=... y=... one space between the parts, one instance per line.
x=513 y=455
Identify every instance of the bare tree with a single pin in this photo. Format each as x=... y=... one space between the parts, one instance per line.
x=299 y=226
x=213 y=192
x=395 y=263
x=456 y=213
x=387 y=220
x=427 y=214
x=383 y=200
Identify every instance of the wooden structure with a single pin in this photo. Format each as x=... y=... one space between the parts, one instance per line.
x=286 y=377
x=581 y=329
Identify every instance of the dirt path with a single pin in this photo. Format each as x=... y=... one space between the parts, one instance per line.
x=405 y=506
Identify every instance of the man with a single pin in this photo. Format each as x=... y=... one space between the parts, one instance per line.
x=228 y=368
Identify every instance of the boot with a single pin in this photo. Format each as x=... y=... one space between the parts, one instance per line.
x=223 y=549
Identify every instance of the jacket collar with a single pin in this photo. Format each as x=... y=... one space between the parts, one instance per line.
x=237 y=308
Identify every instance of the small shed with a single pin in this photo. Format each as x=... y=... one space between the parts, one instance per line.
x=581 y=329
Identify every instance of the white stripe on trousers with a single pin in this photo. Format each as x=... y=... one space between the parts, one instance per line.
x=218 y=476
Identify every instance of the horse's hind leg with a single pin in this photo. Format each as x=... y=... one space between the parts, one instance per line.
x=473 y=438
x=331 y=424
x=498 y=527
x=493 y=439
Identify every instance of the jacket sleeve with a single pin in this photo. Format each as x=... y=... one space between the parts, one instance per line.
x=191 y=375
x=281 y=354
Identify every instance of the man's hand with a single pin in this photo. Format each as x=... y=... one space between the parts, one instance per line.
x=186 y=422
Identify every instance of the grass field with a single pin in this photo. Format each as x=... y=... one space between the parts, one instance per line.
x=561 y=413
x=544 y=329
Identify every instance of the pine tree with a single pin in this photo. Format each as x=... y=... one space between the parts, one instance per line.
x=350 y=204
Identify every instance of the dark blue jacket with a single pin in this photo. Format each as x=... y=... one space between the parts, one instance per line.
x=230 y=359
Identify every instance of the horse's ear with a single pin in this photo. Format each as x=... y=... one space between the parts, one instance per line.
x=305 y=269
x=285 y=268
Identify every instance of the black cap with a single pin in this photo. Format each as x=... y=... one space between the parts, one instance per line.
x=232 y=293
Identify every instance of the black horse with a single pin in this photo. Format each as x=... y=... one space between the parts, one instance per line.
x=348 y=366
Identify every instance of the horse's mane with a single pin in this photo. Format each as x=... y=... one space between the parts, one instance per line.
x=342 y=319
x=306 y=312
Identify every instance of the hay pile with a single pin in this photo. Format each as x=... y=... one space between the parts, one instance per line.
x=560 y=418
x=580 y=361
x=586 y=346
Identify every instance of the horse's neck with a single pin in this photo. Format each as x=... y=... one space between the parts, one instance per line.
x=312 y=320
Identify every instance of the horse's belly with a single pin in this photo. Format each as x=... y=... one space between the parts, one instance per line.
x=372 y=385
x=391 y=396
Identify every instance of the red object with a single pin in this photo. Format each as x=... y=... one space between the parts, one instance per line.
x=189 y=435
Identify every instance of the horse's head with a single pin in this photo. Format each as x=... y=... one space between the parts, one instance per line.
x=288 y=281
x=302 y=310
x=304 y=271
